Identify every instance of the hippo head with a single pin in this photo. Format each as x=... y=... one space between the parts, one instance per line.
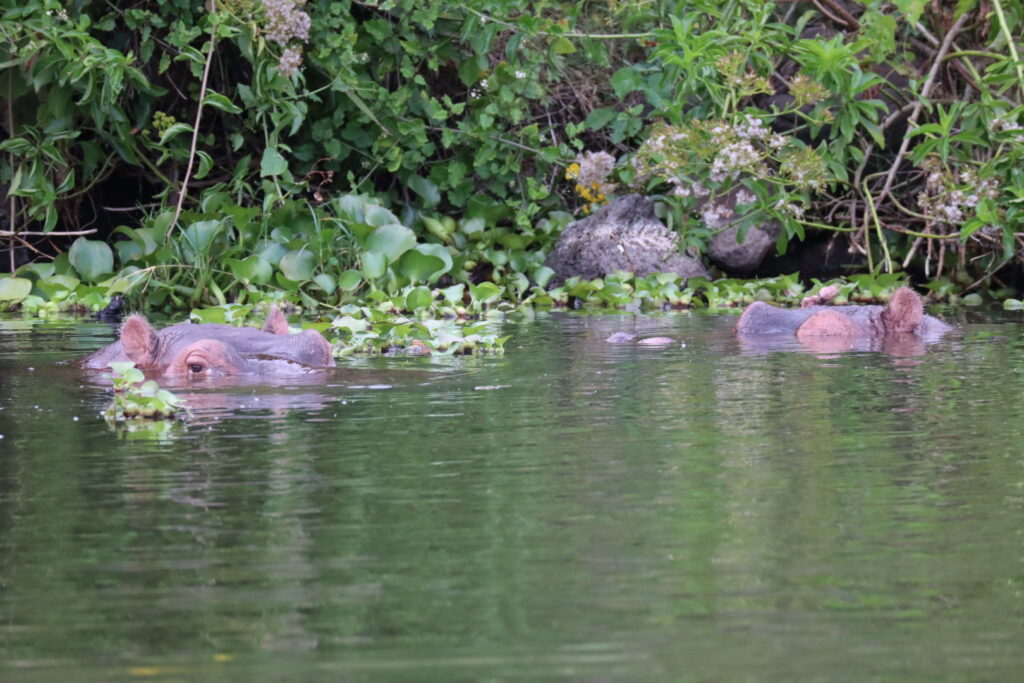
x=187 y=350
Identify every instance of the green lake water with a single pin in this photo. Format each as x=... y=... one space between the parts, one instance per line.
x=570 y=511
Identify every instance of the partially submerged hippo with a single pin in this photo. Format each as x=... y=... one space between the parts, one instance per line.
x=902 y=319
x=214 y=350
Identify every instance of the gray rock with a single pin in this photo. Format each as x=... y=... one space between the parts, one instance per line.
x=624 y=235
x=728 y=253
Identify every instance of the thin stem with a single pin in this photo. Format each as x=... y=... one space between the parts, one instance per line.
x=1008 y=37
x=195 y=126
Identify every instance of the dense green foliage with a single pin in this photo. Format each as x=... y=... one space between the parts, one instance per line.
x=324 y=151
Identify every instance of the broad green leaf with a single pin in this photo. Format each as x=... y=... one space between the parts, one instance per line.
x=325 y=282
x=298 y=265
x=374 y=264
x=200 y=235
x=542 y=275
x=419 y=267
x=391 y=241
x=91 y=258
x=272 y=163
x=349 y=280
x=378 y=216
x=251 y=269
x=419 y=298
x=14 y=288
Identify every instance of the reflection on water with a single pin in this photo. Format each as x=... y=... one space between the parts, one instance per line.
x=574 y=511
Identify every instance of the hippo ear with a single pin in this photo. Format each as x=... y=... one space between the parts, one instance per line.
x=139 y=341
x=904 y=312
x=276 y=324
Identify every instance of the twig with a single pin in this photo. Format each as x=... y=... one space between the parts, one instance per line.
x=55 y=233
x=918 y=104
x=195 y=126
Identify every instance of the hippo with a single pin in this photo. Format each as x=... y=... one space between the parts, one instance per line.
x=901 y=322
x=188 y=350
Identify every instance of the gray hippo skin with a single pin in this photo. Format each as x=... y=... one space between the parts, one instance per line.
x=901 y=322
x=187 y=350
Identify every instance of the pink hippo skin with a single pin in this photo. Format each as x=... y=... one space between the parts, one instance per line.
x=900 y=325
x=187 y=350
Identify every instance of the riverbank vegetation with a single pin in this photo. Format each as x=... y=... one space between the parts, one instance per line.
x=399 y=157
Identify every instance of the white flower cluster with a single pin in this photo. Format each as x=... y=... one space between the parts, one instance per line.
x=286 y=22
x=733 y=159
x=1003 y=125
x=715 y=215
x=950 y=198
x=595 y=167
x=289 y=63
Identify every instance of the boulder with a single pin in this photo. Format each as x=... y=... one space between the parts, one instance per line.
x=623 y=235
x=741 y=257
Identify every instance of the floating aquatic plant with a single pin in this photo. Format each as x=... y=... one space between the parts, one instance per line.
x=138 y=398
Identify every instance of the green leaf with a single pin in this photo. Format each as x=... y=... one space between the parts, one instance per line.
x=563 y=46
x=599 y=118
x=325 y=282
x=425 y=189
x=272 y=163
x=420 y=267
x=542 y=275
x=173 y=131
x=218 y=101
x=419 y=298
x=391 y=241
x=298 y=265
x=349 y=280
x=14 y=288
x=251 y=269
x=374 y=264
x=199 y=236
x=91 y=258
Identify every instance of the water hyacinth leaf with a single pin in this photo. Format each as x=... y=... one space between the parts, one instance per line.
x=361 y=231
x=349 y=280
x=391 y=241
x=200 y=235
x=40 y=270
x=485 y=292
x=325 y=282
x=91 y=258
x=425 y=262
x=56 y=284
x=251 y=269
x=14 y=288
x=419 y=298
x=378 y=216
x=374 y=264
x=272 y=163
x=542 y=275
x=473 y=228
x=349 y=323
x=271 y=252
x=454 y=294
x=298 y=265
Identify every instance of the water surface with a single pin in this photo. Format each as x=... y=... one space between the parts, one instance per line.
x=570 y=511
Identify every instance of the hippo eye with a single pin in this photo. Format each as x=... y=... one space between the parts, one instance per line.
x=196 y=367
